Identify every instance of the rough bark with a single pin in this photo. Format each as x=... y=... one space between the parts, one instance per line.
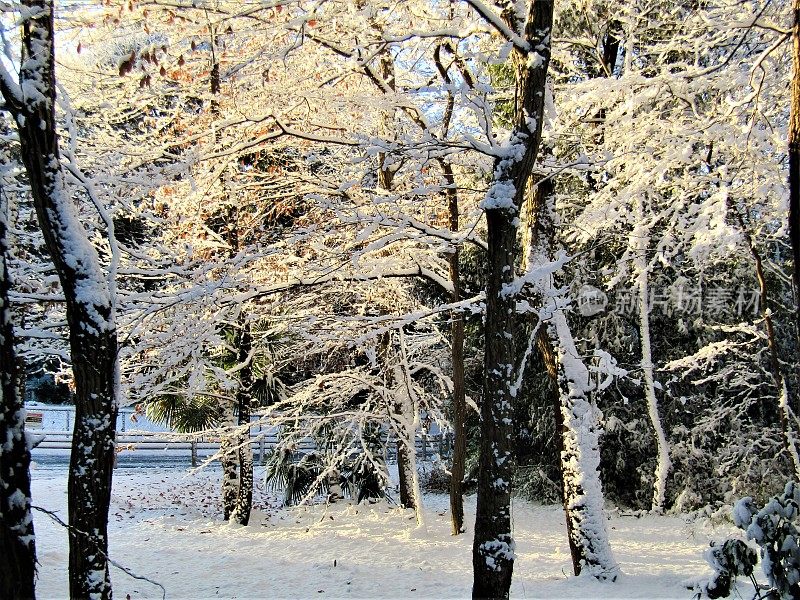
x=89 y=307
x=405 y=476
x=794 y=162
x=244 y=401
x=17 y=542
x=493 y=544
x=229 y=459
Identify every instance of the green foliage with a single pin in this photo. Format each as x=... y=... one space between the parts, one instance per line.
x=297 y=479
x=185 y=415
x=192 y=413
x=308 y=476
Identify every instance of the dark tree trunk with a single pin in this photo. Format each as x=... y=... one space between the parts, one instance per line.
x=386 y=172
x=244 y=400
x=229 y=459
x=794 y=162
x=90 y=316
x=535 y=234
x=398 y=415
x=228 y=454
x=17 y=544
x=576 y=430
x=458 y=467
x=403 y=460
x=493 y=545
x=236 y=454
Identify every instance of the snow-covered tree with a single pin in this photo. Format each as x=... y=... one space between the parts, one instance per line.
x=89 y=299
x=18 y=557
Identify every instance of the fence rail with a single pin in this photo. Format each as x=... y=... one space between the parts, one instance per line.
x=427 y=446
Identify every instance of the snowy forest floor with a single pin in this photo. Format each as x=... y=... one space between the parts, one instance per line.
x=165 y=524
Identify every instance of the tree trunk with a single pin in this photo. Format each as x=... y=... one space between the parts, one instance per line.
x=493 y=544
x=405 y=476
x=406 y=457
x=17 y=542
x=244 y=399
x=458 y=468
x=229 y=459
x=405 y=396
x=576 y=418
x=794 y=162
x=580 y=458
x=550 y=361
x=236 y=453
x=403 y=411
x=641 y=237
x=778 y=376
x=89 y=304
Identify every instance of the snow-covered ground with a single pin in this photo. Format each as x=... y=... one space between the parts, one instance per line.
x=165 y=524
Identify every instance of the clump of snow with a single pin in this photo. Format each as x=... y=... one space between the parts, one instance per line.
x=500 y=196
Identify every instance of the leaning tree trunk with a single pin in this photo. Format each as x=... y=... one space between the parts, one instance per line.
x=493 y=544
x=89 y=306
x=17 y=544
x=576 y=417
x=580 y=458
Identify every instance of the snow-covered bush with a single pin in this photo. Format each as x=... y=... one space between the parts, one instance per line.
x=774 y=529
x=434 y=477
x=729 y=560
